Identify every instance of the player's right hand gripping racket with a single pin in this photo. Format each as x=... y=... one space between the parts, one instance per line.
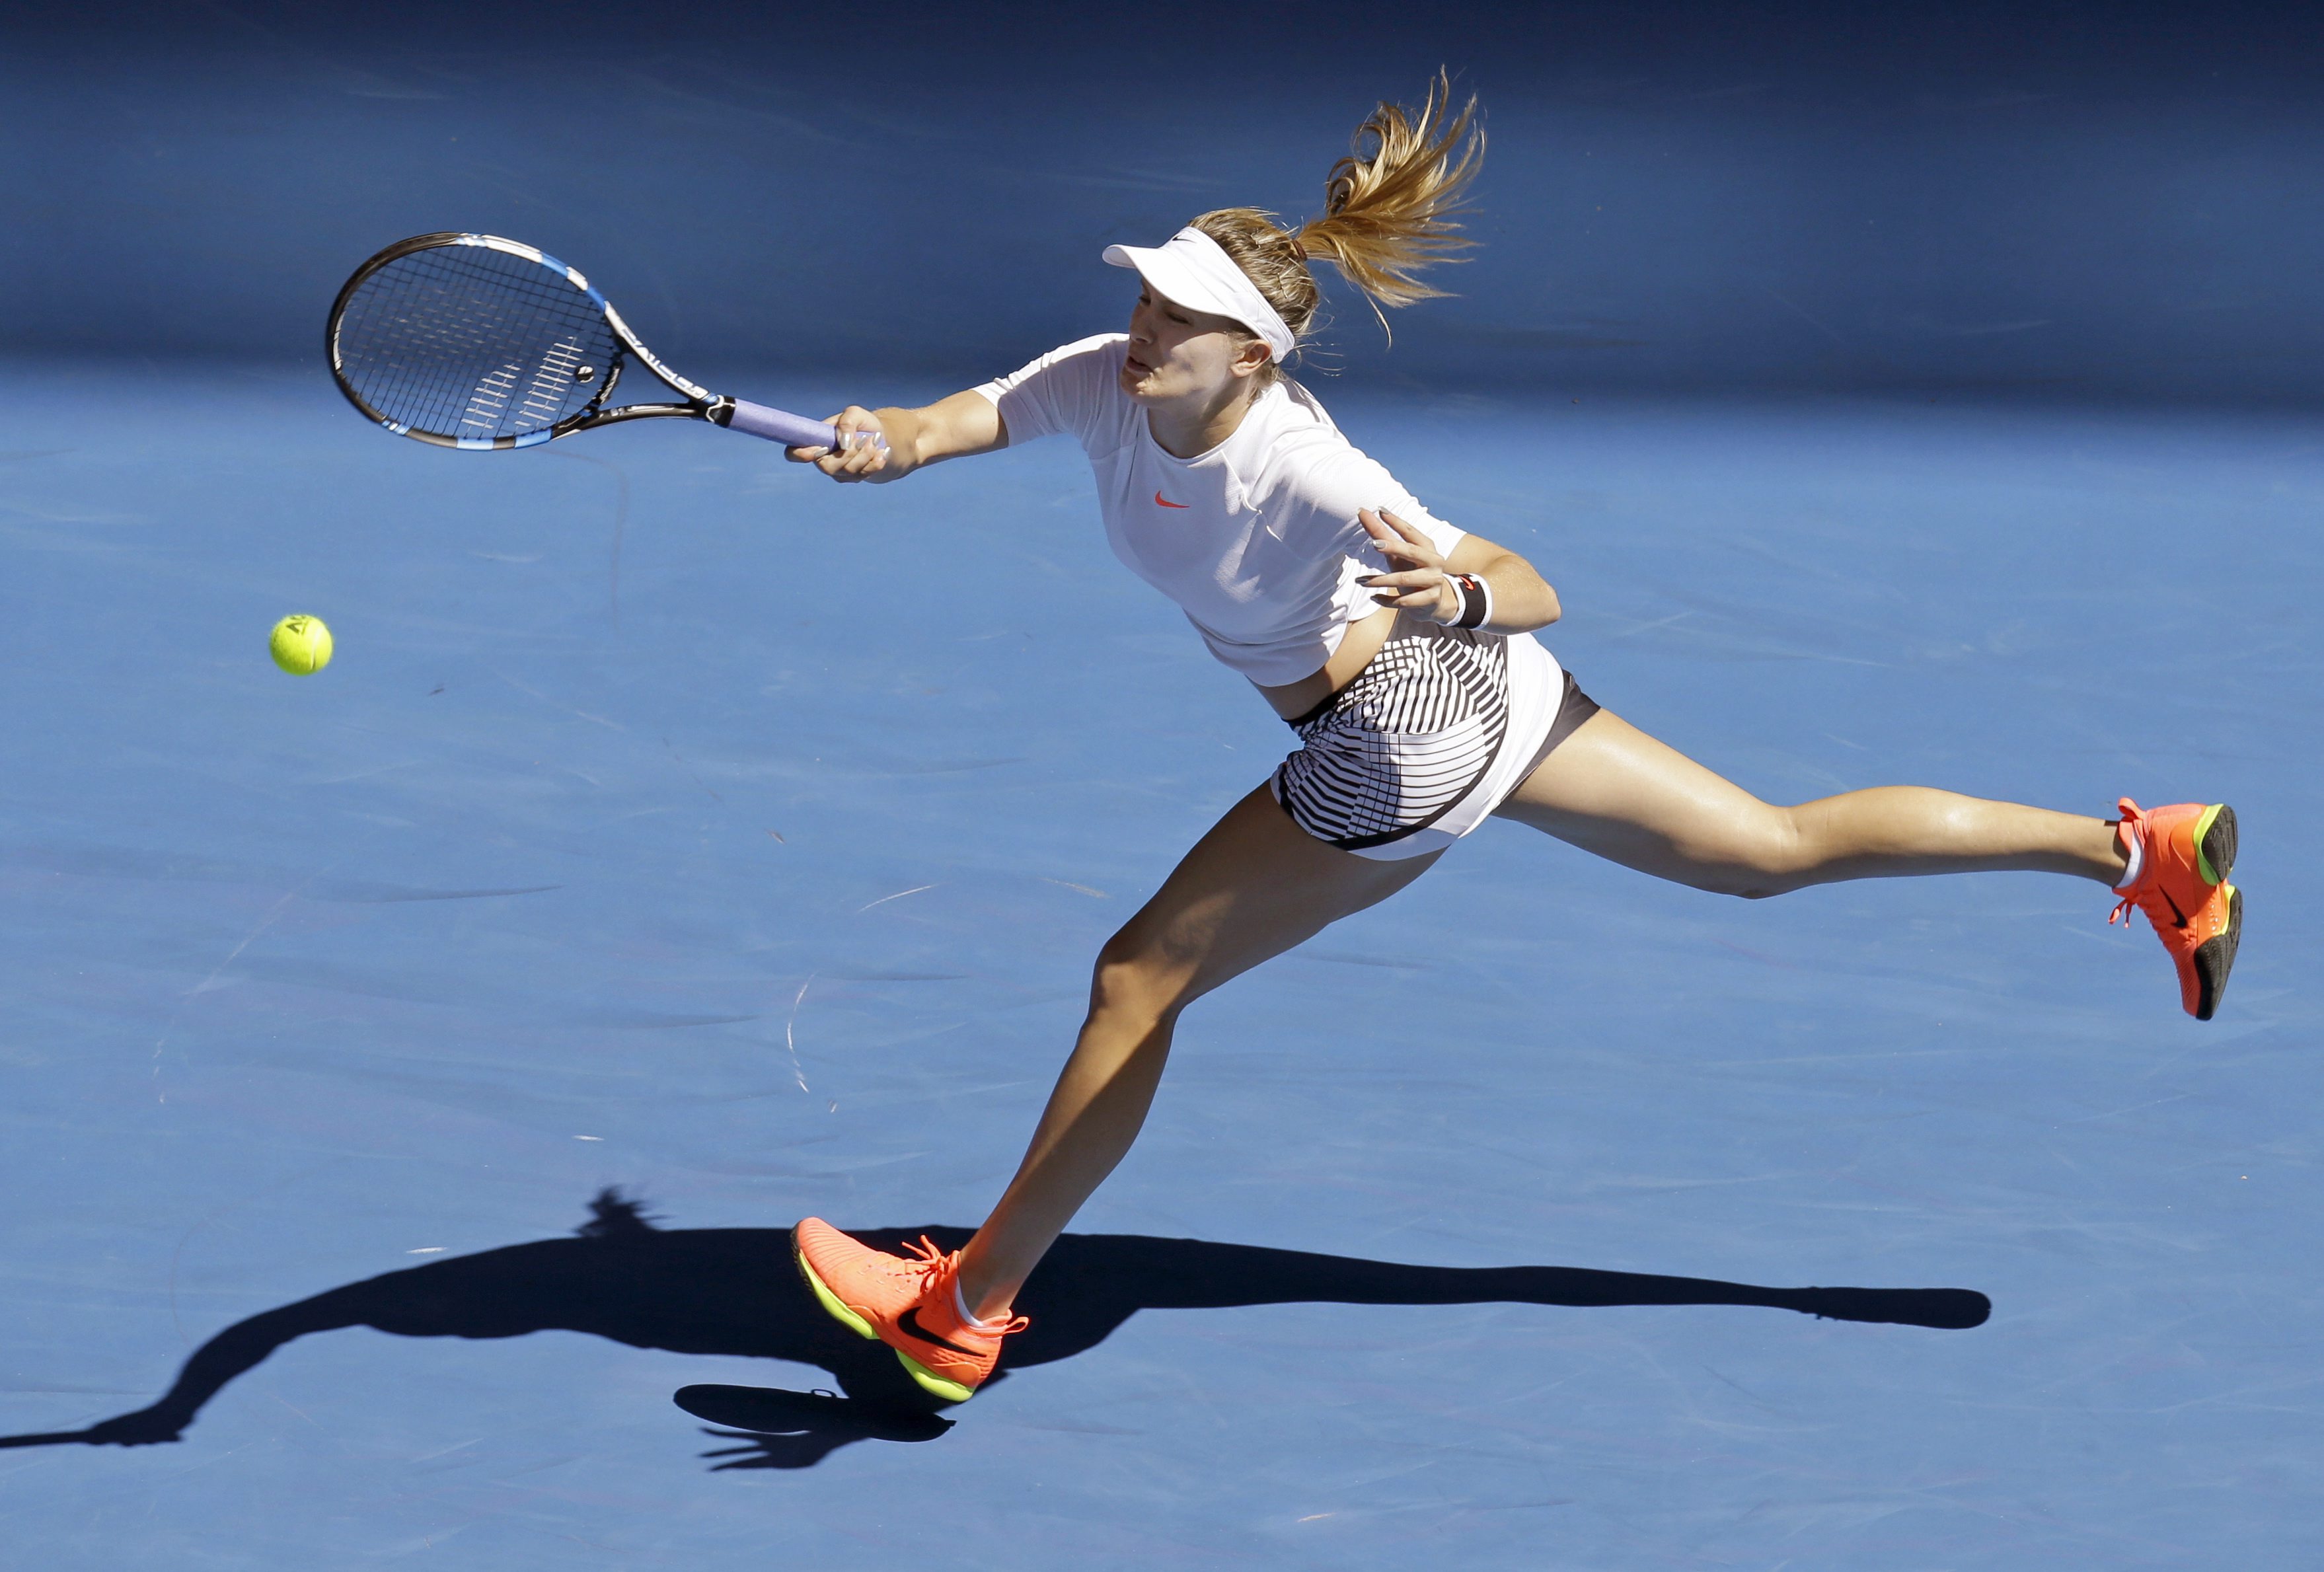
x=472 y=341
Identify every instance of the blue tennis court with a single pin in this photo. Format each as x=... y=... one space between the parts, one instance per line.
x=412 y=1070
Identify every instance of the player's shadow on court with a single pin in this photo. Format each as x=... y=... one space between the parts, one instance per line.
x=733 y=1291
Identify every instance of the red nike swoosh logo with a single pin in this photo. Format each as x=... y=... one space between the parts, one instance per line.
x=1166 y=503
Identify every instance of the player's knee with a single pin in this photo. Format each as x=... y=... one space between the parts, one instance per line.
x=1131 y=983
x=1766 y=854
x=1776 y=863
x=1743 y=883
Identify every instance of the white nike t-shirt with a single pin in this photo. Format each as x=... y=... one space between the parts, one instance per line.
x=1256 y=540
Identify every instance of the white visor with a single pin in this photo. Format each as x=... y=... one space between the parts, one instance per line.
x=1194 y=270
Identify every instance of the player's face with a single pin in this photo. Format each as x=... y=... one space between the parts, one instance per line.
x=1175 y=352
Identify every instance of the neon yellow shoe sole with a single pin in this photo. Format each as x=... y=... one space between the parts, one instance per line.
x=830 y=1301
x=931 y=1381
x=2215 y=844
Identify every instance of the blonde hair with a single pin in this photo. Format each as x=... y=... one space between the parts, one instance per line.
x=1387 y=214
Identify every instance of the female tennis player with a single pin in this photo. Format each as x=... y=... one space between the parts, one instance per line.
x=1400 y=652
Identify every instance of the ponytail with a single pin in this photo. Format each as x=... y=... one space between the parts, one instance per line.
x=1387 y=213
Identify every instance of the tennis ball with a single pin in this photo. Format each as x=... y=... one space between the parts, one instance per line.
x=300 y=645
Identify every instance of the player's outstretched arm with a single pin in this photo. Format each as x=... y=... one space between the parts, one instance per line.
x=953 y=428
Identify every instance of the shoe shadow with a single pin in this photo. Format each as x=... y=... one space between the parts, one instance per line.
x=733 y=1291
x=799 y=1429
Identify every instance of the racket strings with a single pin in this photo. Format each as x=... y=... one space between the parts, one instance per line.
x=467 y=342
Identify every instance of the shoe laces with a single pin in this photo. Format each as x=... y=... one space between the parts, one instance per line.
x=925 y=1259
x=931 y=1263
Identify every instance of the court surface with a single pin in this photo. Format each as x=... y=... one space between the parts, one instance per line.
x=412 y=1070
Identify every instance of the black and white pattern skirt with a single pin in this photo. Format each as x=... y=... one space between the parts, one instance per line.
x=1430 y=737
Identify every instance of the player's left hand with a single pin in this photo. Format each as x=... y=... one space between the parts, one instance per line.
x=1418 y=583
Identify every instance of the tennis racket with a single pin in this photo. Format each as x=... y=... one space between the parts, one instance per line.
x=472 y=341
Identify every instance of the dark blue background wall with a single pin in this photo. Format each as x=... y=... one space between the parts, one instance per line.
x=2094 y=200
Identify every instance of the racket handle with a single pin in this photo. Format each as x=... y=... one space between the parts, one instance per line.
x=781 y=426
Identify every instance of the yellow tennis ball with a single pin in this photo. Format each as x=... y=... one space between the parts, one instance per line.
x=300 y=645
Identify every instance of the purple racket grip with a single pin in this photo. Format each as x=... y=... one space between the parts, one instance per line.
x=780 y=426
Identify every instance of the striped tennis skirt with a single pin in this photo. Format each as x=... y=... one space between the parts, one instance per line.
x=1429 y=739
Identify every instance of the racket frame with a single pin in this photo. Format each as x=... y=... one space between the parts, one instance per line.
x=701 y=404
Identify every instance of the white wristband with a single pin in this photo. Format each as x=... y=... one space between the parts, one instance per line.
x=1476 y=593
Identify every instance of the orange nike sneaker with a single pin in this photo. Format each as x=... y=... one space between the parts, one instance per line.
x=2184 y=854
x=909 y=1302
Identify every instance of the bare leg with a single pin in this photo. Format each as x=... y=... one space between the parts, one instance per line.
x=1255 y=886
x=1613 y=790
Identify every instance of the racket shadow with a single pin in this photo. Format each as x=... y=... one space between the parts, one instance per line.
x=734 y=1292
